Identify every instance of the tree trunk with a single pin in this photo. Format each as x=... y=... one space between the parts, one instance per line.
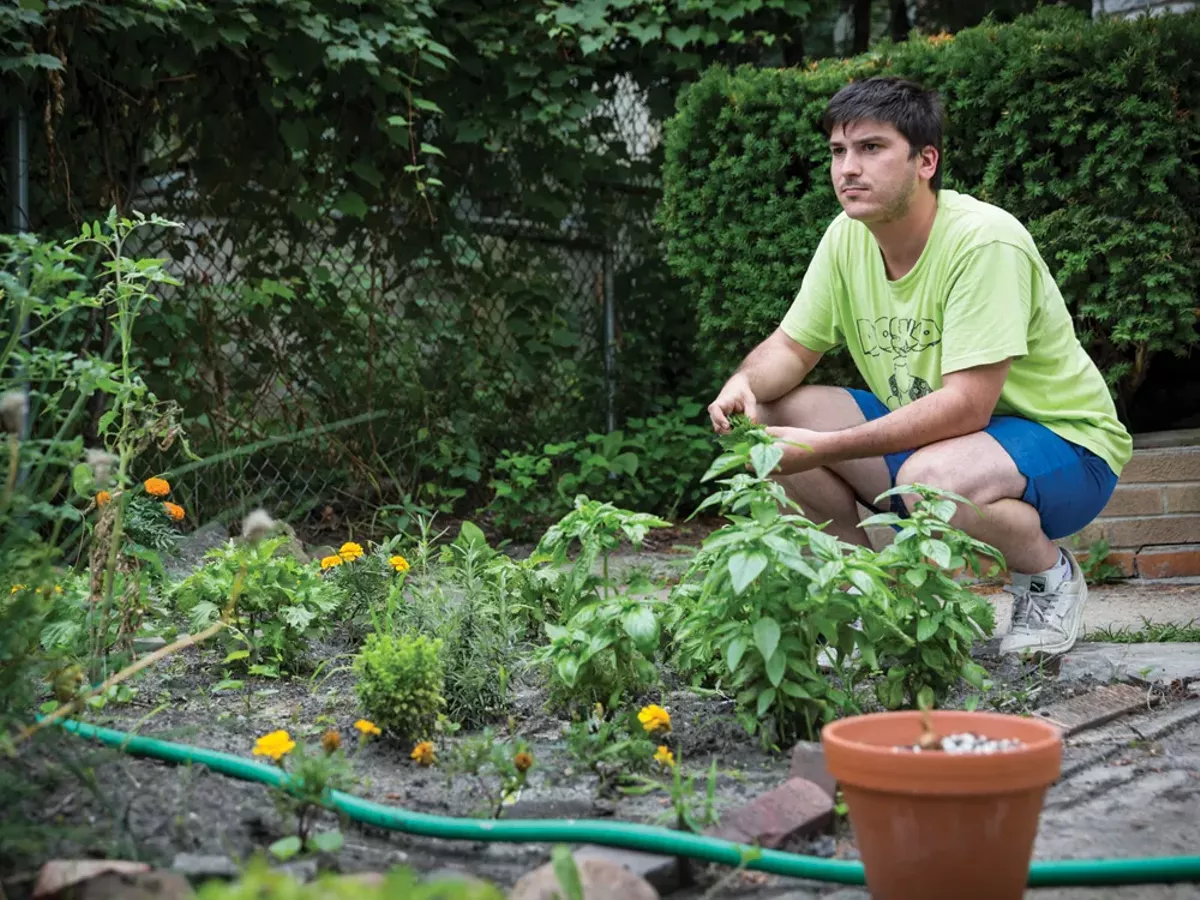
x=899 y=24
x=862 y=26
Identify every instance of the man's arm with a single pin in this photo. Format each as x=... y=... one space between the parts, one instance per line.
x=962 y=405
x=769 y=371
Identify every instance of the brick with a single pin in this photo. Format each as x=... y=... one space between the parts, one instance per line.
x=1134 y=501
x=1182 y=498
x=1094 y=708
x=1143 y=532
x=1169 y=562
x=1174 y=464
x=808 y=762
x=1125 y=560
x=797 y=808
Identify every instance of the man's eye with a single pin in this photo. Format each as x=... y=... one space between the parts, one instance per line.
x=870 y=146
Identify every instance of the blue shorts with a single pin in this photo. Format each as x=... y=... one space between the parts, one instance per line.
x=1067 y=484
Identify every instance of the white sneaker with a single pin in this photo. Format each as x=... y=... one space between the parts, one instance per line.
x=1046 y=621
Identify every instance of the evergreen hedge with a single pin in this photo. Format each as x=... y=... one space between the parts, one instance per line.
x=1084 y=130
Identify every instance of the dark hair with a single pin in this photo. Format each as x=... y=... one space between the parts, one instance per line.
x=913 y=111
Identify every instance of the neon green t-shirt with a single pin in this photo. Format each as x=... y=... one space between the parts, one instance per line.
x=979 y=293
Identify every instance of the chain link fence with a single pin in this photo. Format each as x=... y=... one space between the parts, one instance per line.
x=336 y=383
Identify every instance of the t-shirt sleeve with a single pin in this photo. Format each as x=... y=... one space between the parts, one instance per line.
x=810 y=320
x=987 y=312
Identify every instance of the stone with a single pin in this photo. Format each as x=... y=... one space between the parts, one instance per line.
x=1093 y=708
x=848 y=894
x=301 y=870
x=601 y=879
x=148 y=644
x=1155 y=663
x=797 y=808
x=112 y=884
x=661 y=872
x=551 y=808
x=808 y=762
x=59 y=874
x=453 y=876
x=199 y=867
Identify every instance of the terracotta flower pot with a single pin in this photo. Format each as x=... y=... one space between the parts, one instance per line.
x=934 y=825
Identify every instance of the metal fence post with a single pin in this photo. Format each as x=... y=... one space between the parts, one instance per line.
x=610 y=339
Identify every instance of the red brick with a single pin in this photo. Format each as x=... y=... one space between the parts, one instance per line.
x=1182 y=498
x=1125 y=560
x=1169 y=562
x=1145 y=531
x=1175 y=464
x=797 y=808
x=1134 y=501
x=808 y=762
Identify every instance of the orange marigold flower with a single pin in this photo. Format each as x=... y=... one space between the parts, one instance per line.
x=331 y=741
x=423 y=753
x=174 y=510
x=366 y=727
x=523 y=761
x=103 y=498
x=157 y=487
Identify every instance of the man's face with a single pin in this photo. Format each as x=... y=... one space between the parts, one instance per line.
x=872 y=173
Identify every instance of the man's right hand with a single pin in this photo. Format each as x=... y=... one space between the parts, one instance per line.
x=735 y=397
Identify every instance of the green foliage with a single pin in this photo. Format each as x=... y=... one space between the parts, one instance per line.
x=400 y=683
x=612 y=747
x=499 y=769
x=278 y=603
x=471 y=602
x=312 y=773
x=653 y=464
x=261 y=882
x=794 y=620
x=1081 y=129
x=148 y=526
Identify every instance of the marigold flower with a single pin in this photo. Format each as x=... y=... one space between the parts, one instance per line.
x=331 y=741
x=17 y=587
x=157 y=487
x=366 y=727
x=399 y=563
x=276 y=745
x=350 y=551
x=664 y=756
x=103 y=498
x=174 y=511
x=655 y=719
x=329 y=562
x=423 y=753
x=523 y=761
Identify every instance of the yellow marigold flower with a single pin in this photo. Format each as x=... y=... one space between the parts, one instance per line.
x=174 y=511
x=331 y=740
x=103 y=498
x=350 y=551
x=399 y=563
x=655 y=719
x=423 y=753
x=157 y=487
x=366 y=727
x=276 y=745
x=523 y=761
x=17 y=587
x=329 y=562
x=665 y=756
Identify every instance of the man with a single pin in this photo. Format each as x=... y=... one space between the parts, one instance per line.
x=978 y=384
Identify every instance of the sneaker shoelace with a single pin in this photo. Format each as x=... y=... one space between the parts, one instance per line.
x=1029 y=609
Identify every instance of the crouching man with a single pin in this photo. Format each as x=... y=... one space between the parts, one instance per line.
x=978 y=384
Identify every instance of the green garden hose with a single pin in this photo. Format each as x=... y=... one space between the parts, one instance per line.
x=632 y=836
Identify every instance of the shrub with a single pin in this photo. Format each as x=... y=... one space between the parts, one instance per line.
x=1083 y=130
x=279 y=603
x=400 y=682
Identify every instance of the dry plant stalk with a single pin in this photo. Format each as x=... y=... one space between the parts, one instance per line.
x=929 y=739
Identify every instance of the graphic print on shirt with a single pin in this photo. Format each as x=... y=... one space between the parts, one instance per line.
x=903 y=339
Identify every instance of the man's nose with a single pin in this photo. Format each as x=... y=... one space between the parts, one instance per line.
x=850 y=164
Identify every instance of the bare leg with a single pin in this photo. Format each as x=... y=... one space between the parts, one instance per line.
x=829 y=494
x=977 y=467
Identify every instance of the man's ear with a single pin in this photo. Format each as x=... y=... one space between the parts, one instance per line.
x=928 y=163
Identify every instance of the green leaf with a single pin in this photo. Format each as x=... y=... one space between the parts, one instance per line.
x=427 y=105
x=916 y=577
x=236 y=655
x=765 y=458
x=735 y=651
x=744 y=568
x=641 y=625
x=566 y=872
x=794 y=690
x=286 y=848
x=295 y=134
x=430 y=149
x=765 y=699
x=766 y=637
x=925 y=698
x=568 y=669
x=776 y=666
x=328 y=841
x=352 y=203
x=937 y=550
x=926 y=628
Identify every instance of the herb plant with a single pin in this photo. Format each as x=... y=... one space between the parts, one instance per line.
x=400 y=683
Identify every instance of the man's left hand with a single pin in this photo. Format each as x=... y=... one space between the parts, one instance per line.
x=815 y=452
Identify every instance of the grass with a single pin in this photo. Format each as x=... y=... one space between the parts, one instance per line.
x=1149 y=633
